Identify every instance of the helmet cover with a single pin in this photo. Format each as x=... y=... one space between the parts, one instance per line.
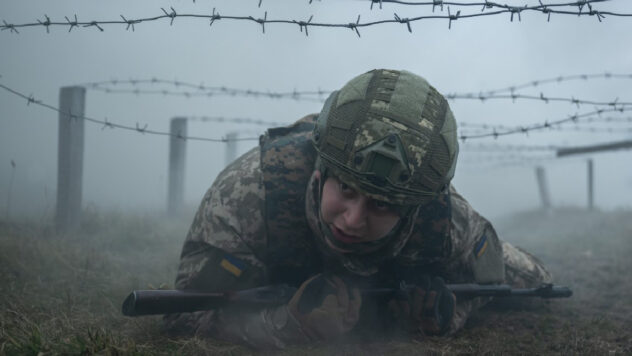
x=389 y=135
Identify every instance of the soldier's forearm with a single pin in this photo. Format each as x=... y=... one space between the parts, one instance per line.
x=267 y=328
x=271 y=327
x=464 y=308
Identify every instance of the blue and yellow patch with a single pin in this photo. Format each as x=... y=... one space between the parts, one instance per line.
x=480 y=247
x=233 y=265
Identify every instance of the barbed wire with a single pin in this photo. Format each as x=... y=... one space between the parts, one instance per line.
x=477 y=128
x=597 y=129
x=237 y=120
x=609 y=130
x=540 y=82
x=30 y=99
x=588 y=119
x=200 y=90
x=506 y=161
x=485 y=5
x=481 y=147
x=497 y=132
x=546 y=9
x=483 y=97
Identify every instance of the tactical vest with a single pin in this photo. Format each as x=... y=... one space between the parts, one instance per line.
x=292 y=256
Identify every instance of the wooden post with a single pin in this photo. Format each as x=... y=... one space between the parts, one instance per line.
x=543 y=187
x=590 y=185
x=231 y=148
x=177 y=157
x=70 y=157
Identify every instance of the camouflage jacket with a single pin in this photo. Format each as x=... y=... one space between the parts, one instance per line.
x=252 y=229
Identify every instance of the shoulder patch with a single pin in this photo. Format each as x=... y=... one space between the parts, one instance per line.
x=487 y=258
x=232 y=265
x=481 y=246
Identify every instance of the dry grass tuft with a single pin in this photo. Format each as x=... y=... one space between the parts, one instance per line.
x=61 y=294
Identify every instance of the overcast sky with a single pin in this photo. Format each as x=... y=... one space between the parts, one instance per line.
x=128 y=170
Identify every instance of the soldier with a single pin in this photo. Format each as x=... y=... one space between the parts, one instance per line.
x=357 y=195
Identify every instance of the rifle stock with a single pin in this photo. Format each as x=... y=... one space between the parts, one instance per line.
x=152 y=302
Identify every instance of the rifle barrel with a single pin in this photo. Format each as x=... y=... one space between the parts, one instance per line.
x=151 y=302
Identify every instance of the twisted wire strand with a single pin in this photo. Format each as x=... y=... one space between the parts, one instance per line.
x=536 y=83
x=481 y=147
x=108 y=124
x=547 y=10
x=237 y=120
x=585 y=119
x=494 y=133
x=497 y=132
x=541 y=97
x=201 y=90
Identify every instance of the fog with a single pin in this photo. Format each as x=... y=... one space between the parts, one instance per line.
x=127 y=170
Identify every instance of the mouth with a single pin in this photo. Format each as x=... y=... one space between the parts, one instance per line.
x=343 y=237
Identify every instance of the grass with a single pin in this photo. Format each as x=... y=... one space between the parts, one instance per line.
x=61 y=293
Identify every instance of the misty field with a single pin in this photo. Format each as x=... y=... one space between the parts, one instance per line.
x=61 y=294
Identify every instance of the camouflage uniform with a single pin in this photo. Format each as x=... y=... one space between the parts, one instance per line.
x=256 y=226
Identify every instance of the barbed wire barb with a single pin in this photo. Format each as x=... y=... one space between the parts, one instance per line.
x=172 y=14
x=214 y=16
x=403 y=21
x=439 y=3
x=486 y=5
x=262 y=22
x=45 y=23
x=72 y=23
x=516 y=10
x=106 y=124
x=374 y=1
x=130 y=23
x=30 y=100
x=451 y=17
x=354 y=26
x=10 y=27
x=94 y=24
x=141 y=130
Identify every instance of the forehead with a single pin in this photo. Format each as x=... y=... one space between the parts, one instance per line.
x=353 y=185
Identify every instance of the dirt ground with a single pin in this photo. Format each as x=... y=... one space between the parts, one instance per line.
x=61 y=294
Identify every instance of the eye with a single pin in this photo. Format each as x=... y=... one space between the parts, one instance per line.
x=345 y=188
x=382 y=206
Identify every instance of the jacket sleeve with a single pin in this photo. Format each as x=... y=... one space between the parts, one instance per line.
x=222 y=251
x=476 y=256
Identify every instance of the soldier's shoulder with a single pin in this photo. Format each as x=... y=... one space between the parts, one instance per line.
x=245 y=169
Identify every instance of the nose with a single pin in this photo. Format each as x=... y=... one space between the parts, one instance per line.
x=356 y=214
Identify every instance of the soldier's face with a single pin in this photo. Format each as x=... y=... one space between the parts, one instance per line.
x=353 y=217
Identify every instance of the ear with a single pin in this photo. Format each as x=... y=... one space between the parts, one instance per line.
x=317 y=175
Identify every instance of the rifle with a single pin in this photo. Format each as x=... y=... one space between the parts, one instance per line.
x=152 y=302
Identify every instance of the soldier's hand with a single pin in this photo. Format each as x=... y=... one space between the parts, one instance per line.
x=325 y=307
x=428 y=307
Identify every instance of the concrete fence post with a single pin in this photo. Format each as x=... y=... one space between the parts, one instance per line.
x=591 y=201
x=231 y=148
x=543 y=187
x=177 y=158
x=70 y=157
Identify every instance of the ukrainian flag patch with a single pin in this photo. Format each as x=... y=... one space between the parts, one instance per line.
x=481 y=246
x=233 y=265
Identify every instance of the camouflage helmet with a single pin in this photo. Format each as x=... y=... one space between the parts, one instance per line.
x=389 y=135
